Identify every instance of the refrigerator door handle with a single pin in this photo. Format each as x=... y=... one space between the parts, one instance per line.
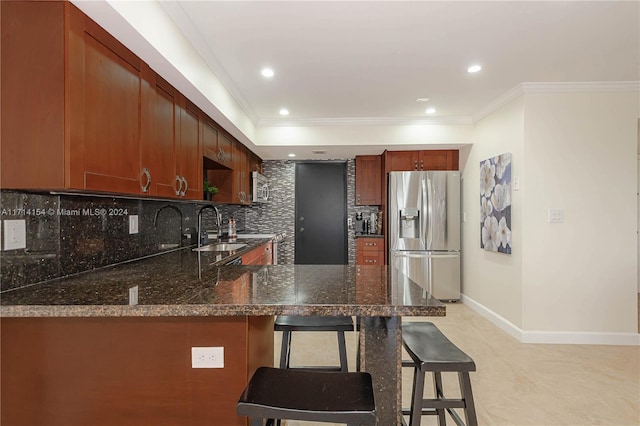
x=426 y=255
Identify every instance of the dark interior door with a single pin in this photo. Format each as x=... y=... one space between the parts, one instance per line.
x=321 y=213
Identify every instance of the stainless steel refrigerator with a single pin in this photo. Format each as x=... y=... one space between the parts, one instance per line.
x=424 y=230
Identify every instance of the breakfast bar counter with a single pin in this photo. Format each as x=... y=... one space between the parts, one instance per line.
x=182 y=293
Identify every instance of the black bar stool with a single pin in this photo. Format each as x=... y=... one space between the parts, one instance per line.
x=431 y=351
x=317 y=396
x=290 y=323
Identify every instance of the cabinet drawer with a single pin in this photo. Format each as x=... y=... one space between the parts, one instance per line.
x=370 y=258
x=370 y=244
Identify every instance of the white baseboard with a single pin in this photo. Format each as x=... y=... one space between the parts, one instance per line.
x=552 y=337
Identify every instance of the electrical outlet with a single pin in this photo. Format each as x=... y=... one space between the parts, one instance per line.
x=15 y=234
x=207 y=357
x=133 y=295
x=133 y=224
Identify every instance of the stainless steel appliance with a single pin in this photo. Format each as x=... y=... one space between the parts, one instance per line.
x=259 y=188
x=424 y=229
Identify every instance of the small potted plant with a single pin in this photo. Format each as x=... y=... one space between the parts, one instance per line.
x=209 y=190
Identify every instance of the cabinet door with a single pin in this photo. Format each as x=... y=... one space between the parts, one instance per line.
x=189 y=161
x=401 y=161
x=370 y=258
x=439 y=160
x=225 y=150
x=368 y=180
x=255 y=164
x=163 y=150
x=240 y=190
x=104 y=110
x=209 y=140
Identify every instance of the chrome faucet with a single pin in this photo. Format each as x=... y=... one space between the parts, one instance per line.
x=218 y=222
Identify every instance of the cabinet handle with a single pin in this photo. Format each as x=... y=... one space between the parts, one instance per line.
x=186 y=186
x=371 y=244
x=370 y=260
x=421 y=164
x=179 y=181
x=415 y=165
x=147 y=174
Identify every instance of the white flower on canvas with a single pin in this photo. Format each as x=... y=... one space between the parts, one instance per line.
x=501 y=197
x=487 y=178
x=490 y=235
x=486 y=208
x=502 y=161
x=504 y=233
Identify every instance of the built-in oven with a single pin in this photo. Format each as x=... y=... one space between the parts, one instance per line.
x=259 y=188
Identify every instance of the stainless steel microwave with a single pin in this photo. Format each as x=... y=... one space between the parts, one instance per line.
x=259 y=188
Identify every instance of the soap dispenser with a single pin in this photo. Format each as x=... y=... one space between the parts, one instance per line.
x=232 y=227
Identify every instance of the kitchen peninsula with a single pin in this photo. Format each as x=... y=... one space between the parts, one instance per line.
x=75 y=351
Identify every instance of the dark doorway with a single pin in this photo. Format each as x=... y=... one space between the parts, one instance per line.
x=321 y=213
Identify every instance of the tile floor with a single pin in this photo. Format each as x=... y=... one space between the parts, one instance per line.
x=515 y=383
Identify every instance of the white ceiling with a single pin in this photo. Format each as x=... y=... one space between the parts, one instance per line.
x=343 y=61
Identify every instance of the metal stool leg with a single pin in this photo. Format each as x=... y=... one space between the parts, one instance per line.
x=467 y=395
x=284 y=349
x=342 y=349
x=416 y=397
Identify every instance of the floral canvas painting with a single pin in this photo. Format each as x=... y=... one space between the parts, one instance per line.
x=495 y=203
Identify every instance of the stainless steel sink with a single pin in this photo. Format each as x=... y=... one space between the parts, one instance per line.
x=221 y=247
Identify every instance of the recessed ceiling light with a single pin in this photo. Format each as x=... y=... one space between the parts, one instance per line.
x=474 y=68
x=284 y=111
x=430 y=111
x=292 y=155
x=422 y=100
x=267 y=72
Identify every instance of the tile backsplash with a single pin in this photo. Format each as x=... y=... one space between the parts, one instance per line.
x=71 y=233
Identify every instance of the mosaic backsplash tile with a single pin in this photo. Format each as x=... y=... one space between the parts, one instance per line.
x=69 y=233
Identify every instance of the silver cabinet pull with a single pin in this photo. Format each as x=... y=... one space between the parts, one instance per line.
x=147 y=174
x=179 y=182
x=186 y=186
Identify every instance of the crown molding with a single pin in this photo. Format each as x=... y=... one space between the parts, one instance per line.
x=361 y=121
x=559 y=87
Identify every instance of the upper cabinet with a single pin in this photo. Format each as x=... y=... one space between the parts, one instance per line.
x=368 y=180
x=421 y=160
x=82 y=112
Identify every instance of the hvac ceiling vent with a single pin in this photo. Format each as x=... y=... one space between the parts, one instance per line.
x=319 y=152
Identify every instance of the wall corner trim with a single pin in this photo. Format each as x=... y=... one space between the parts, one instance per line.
x=557 y=87
x=553 y=337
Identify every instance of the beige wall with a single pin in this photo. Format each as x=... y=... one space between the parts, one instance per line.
x=577 y=152
x=580 y=152
x=494 y=280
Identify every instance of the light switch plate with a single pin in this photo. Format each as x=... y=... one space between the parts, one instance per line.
x=15 y=234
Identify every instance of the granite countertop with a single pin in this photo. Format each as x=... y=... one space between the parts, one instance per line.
x=188 y=283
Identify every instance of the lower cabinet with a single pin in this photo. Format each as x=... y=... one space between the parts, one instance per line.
x=262 y=255
x=369 y=251
x=128 y=370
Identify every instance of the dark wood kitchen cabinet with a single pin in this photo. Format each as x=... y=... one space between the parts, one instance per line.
x=421 y=160
x=368 y=180
x=71 y=99
x=89 y=371
x=369 y=251
x=241 y=190
x=262 y=255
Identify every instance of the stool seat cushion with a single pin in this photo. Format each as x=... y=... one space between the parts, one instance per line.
x=430 y=350
x=313 y=323
x=335 y=397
